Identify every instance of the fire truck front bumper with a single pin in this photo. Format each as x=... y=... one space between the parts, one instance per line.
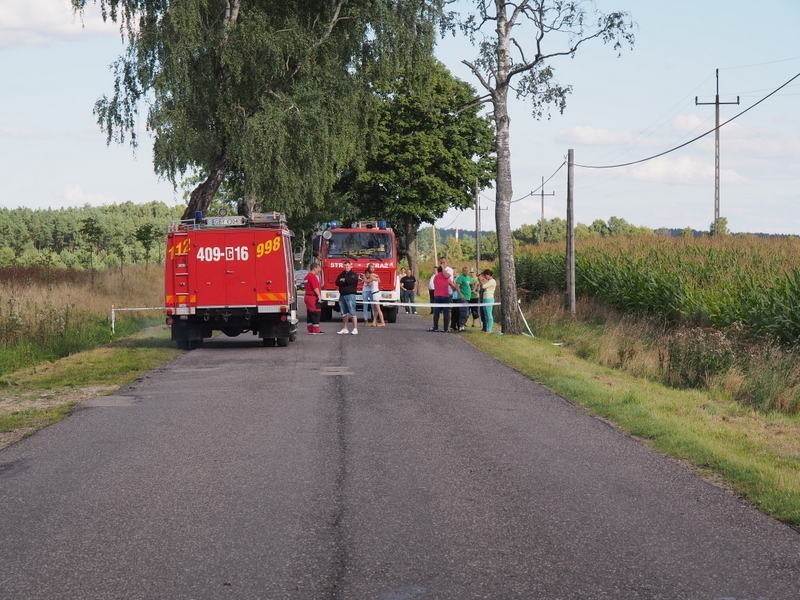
x=331 y=298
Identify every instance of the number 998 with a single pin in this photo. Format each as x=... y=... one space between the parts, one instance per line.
x=268 y=247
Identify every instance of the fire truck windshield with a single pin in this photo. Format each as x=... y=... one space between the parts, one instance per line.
x=360 y=244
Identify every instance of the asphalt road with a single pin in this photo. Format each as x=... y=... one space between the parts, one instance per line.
x=394 y=465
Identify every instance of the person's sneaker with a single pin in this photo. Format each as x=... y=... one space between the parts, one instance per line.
x=342 y=331
x=432 y=329
x=462 y=328
x=355 y=331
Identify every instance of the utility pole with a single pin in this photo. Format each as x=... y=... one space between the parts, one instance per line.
x=570 y=250
x=435 y=254
x=716 y=104
x=541 y=222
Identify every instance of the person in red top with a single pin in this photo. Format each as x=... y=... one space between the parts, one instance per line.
x=442 y=284
x=313 y=294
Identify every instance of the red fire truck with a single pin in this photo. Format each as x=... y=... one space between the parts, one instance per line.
x=232 y=274
x=363 y=243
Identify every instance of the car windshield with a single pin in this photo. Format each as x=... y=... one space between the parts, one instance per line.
x=360 y=244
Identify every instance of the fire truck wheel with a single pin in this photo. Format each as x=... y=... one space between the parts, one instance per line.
x=283 y=342
x=390 y=314
x=269 y=342
x=326 y=313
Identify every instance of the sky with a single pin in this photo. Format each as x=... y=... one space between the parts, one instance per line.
x=622 y=109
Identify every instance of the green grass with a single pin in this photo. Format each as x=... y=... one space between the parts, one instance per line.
x=34 y=418
x=755 y=454
x=91 y=331
x=45 y=393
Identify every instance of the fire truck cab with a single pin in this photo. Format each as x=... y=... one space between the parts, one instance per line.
x=363 y=243
x=232 y=274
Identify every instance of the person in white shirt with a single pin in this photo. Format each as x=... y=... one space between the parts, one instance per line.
x=369 y=292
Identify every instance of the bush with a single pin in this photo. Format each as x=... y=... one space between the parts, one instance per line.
x=771 y=379
x=695 y=355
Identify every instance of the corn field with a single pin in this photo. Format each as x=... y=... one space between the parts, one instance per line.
x=717 y=282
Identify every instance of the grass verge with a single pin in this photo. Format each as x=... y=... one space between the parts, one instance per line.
x=45 y=393
x=755 y=454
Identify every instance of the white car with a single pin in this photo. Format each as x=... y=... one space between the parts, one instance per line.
x=299 y=278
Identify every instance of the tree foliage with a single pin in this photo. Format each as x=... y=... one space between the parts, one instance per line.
x=269 y=97
x=428 y=151
x=719 y=226
x=468 y=251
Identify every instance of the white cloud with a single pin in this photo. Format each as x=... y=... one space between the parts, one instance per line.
x=19 y=132
x=681 y=170
x=692 y=123
x=596 y=136
x=75 y=195
x=37 y=22
x=760 y=143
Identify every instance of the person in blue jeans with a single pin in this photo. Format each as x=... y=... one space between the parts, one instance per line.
x=488 y=286
x=347 y=282
x=408 y=290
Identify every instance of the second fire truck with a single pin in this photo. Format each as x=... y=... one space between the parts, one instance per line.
x=363 y=243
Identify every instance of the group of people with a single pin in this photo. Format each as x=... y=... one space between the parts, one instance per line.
x=444 y=287
x=447 y=288
x=347 y=281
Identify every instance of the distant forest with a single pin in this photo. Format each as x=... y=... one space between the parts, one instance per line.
x=85 y=238
x=115 y=235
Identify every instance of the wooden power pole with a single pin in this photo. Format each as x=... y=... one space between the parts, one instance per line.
x=716 y=104
x=570 y=234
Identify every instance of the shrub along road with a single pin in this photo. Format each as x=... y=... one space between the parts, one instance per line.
x=396 y=464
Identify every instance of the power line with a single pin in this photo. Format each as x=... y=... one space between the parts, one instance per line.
x=544 y=182
x=694 y=139
x=762 y=64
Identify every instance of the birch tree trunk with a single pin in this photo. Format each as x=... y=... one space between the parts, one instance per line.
x=508 y=276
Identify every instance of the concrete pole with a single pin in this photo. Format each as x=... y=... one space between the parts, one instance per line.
x=570 y=234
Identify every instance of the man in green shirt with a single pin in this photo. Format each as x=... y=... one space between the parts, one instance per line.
x=464 y=284
x=476 y=296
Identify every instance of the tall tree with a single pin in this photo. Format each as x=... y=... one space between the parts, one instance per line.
x=428 y=150
x=147 y=234
x=266 y=96
x=515 y=56
x=94 y=234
